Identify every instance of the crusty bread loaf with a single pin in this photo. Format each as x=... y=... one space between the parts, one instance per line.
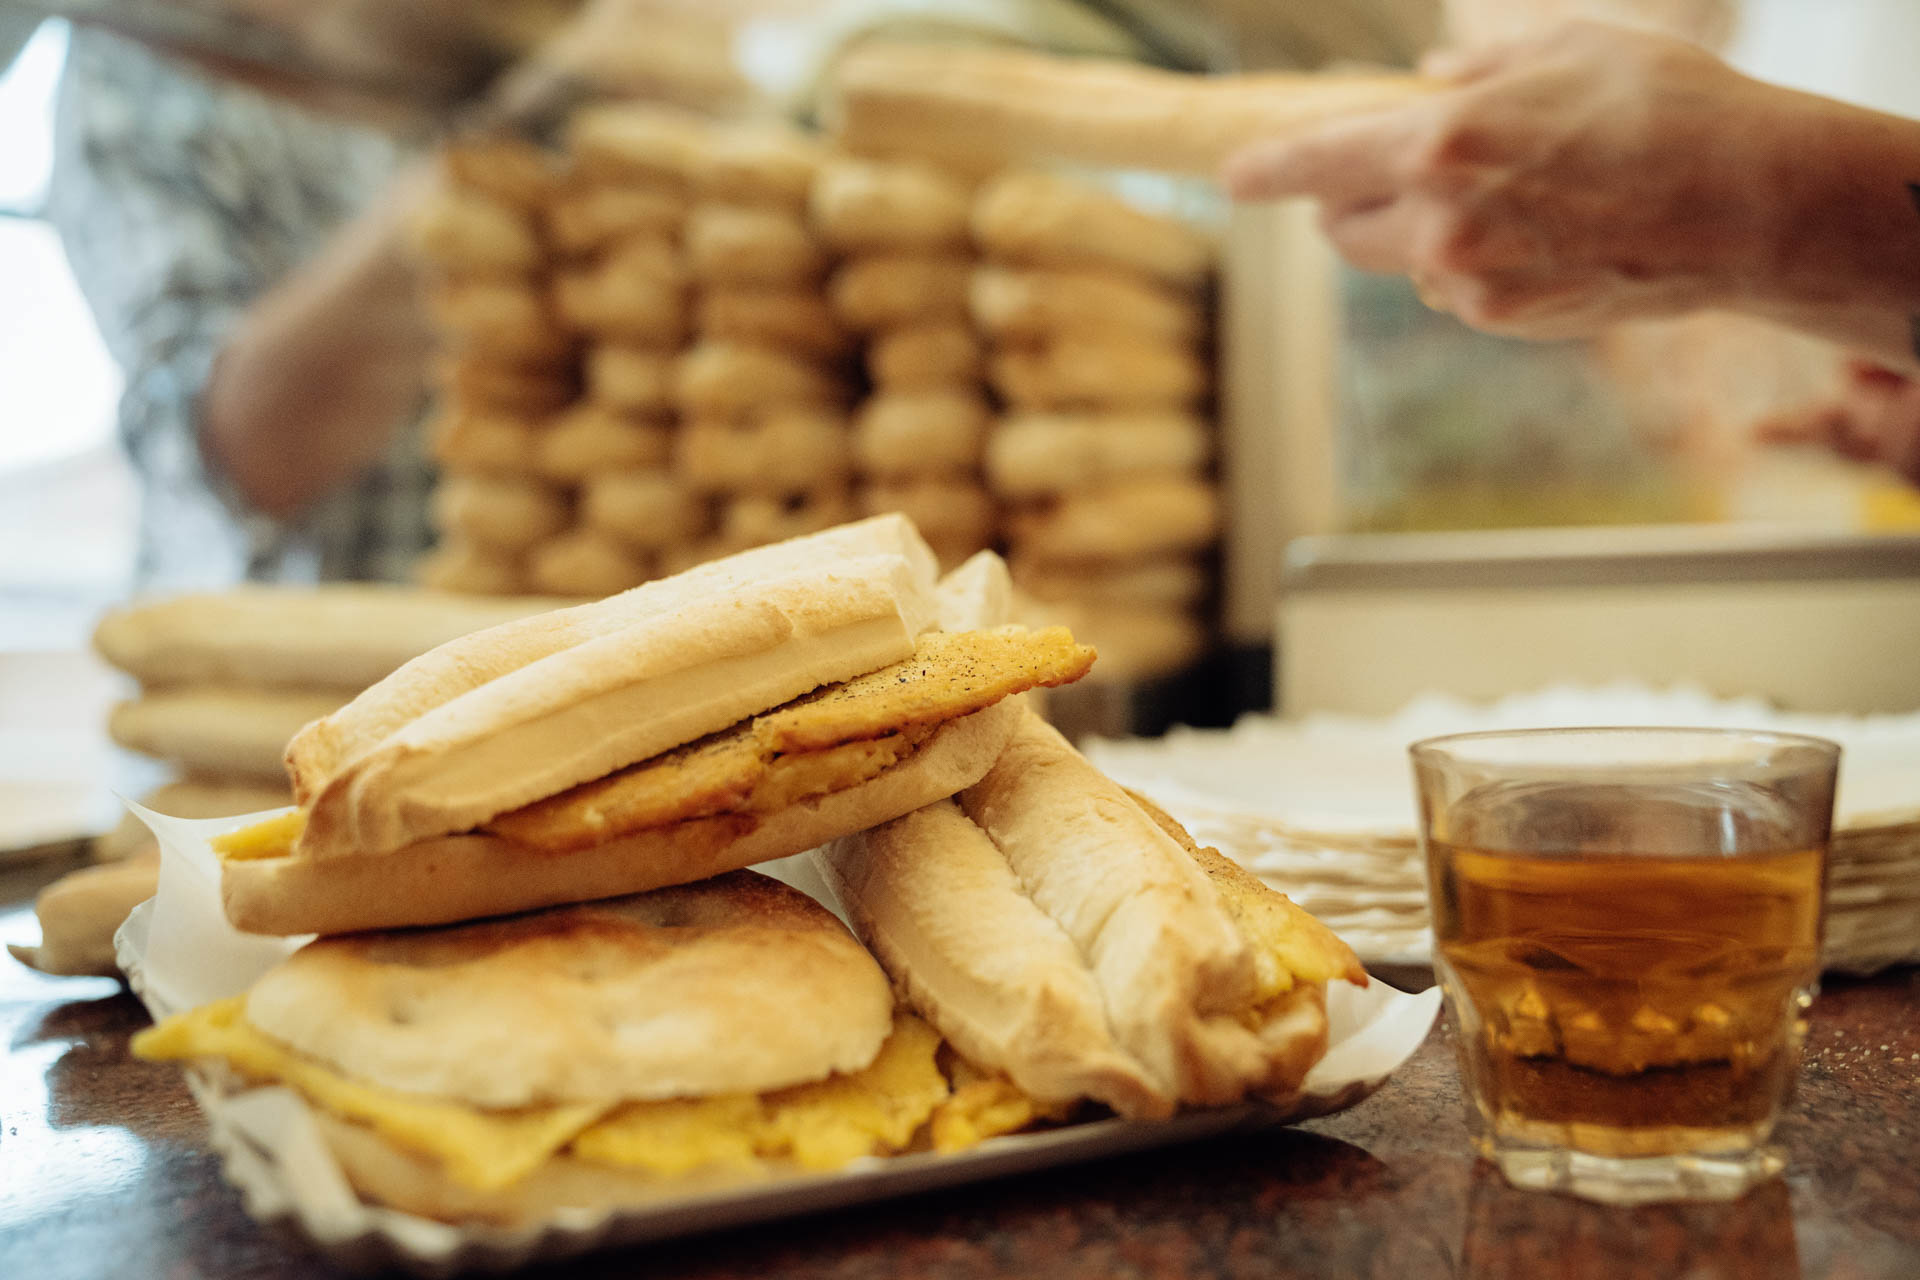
x=337 y=636
x=987 y=106
x=464 y=877
x=1169 y=963
x=938 y=903
x=236 y=732
x=461 y=665
x=659 y=995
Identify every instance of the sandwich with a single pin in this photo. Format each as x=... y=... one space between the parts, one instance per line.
x=588 y=1056
x=745 y=710
x=1065 y=934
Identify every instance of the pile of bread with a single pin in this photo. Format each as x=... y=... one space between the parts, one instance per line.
x=678 y=338
x=545 y=979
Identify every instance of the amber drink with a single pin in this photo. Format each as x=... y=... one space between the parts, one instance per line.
x=1627 y=925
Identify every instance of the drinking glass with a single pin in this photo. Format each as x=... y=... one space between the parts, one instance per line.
x=1627 y=926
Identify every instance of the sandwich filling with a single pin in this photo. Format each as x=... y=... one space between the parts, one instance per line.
x=831 y=740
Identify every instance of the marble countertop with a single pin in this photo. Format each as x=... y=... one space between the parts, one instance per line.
x=105 y=1172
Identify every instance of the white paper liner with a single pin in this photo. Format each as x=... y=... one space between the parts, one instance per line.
x=178 y=951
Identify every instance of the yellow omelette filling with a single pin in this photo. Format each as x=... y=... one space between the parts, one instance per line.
x=272 y=838
x=819 y=1127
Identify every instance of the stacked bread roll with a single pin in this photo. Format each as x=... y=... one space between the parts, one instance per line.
x=901 y=232
x=764 y=388
x=1094 y=315
x=508 y=362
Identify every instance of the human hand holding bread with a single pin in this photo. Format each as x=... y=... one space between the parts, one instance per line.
x=569 y=798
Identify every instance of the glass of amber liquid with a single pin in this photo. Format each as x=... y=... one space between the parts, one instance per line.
x=1627 y=926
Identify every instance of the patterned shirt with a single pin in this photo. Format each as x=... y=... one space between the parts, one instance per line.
x=180 y=201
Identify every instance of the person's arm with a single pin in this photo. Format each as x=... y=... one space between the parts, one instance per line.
x=318 y=374
x=1602 y=175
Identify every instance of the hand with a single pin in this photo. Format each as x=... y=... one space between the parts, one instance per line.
x=1550 y=188
x=1876 y=419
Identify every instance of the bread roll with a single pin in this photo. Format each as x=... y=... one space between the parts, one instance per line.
x=950 y=513
x=988 y=106
x=938 y=904
x=1039 y=454
x=1030 y=305
x=761 y=165
x=896 y=290
x=925 y=357
x=505 y=320
x=590 y=219
x=1047 y=221
x=1099 y=372
x=867 y=206
x=1138 y=518
x=787 y=319
x=590 y=439
x=468 y=568
x=336 y=635
x=723 y=379
x=496 y=512
x=927 y=433
x=80 y=912
x=635 y=295
x=754 y=520
x=644 y=510
x=751 y=247
x=490 y=443
x=628 y=142
x=234 y=732
x=506 y=169
x=586 y=563
x=465 y=233
x=1166 y=584
x=636 y=379
x=777 y=452
x=476 y=384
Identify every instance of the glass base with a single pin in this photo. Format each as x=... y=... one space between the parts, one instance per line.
x=1636 y=1180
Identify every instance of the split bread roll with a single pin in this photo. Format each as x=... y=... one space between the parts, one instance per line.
x=624 y=299
x=1052 y=928
x=1029 y=305
x=335 y=636
x=865 y=206
x=988 y=106
x=496 y=443
x=639 y=142
x=503 y=513
x=689 y=1038
x=762 y=164
x=1042 y=220
x=1033 y=455
x=1099 y=371
x=234 y=732
x=1138 y=518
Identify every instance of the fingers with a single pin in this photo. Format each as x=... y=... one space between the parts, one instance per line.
x=1461 y=66
x=1352 y=162
x=1373 y=237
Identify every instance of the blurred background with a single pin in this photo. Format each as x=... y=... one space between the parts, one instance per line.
x=1401 y=504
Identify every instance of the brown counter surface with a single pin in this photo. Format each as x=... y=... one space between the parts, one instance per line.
x=105 y=1172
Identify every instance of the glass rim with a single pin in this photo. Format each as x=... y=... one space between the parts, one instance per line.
x=1437 y=745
